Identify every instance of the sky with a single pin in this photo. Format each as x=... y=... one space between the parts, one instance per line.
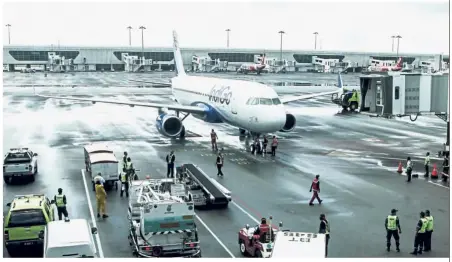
x=347 y=26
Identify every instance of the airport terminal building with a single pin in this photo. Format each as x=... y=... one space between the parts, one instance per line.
x=66 y=58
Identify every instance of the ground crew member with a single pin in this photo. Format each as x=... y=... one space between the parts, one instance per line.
x=420 y=235
x=392 y=226
x=264 y=145
x=124 y=160
x=264 y=231
x=124 y=178
x=220 y=162
x=409 y=168
x=325 y=229
x=129 y=166
x=101 y=199
x=99 y=178
x=213 y=140
x=60 y=202
x=170 y=158
x=427 y=164
x=445 y=167
x=428 y=231
x=316 y=187
x=274 y=145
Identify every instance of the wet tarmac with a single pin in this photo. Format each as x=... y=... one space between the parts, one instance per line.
x=355 y=155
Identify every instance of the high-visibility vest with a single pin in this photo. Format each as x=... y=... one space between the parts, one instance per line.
x=59 y=200
x=327 y=227
x=424 y=225
x=429 y=223
x=427 y=160
x=129 y=165
x=123 y=178
x=392 y=222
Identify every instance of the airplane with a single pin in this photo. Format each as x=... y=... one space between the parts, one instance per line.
x=253 y=67
x=397 y=67
x=249 y=106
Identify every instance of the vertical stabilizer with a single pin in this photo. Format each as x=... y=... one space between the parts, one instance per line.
x=178 y=62
x=340 y=83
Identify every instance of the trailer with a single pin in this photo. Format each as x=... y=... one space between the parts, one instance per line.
x=202 y=189
x=161 y=224
x=299 y=245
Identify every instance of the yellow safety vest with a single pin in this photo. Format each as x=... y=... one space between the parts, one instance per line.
x=59 y=200
x=429 y=223
x=427 y=160
x=424 y=225
x=129 y=165
x=392 y=222
x=327 y=227
x=123 y=178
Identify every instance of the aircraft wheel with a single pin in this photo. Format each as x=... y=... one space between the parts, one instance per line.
x=182 y=133
x=242 y=131
x=243 y=248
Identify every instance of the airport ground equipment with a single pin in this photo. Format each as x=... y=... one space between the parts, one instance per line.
x=299 y=245
x=107 y=165
x=257 y=245
x=161 y=223
x=20 y=163
x=201 y=188
x=348 y=100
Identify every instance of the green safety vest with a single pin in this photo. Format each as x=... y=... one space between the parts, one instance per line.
x=424 y=225
x=392 y=222
x=129 y=165
x=427 y=160
x=429 y=223
x=327 y=227
x=123 y=178
x=59 y=200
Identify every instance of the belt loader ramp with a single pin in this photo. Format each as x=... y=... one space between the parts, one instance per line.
x=202 y=189
x=161 y=224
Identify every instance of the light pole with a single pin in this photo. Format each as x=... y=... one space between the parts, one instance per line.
x=142 y=40
x=227 y=41
x=392 y=49
x=398 y=42
x=9 y=34
x=280 y=46
x=315 y=41
x=130 y=35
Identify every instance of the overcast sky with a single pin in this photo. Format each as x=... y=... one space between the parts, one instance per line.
x=366 y=26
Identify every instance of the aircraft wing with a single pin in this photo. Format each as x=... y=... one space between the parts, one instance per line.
x=156 y=84
x=289 y=99
x=187 y=109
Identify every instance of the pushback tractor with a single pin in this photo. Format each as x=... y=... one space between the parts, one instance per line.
x=161 y=223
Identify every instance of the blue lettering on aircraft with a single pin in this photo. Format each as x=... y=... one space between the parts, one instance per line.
x=220 y=94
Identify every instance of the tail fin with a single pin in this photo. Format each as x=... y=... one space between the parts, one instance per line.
x=399 y=62
x=178 y=62
x=340 y=83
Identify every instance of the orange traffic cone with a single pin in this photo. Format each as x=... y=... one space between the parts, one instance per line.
x=400 y=169
x=434 y=172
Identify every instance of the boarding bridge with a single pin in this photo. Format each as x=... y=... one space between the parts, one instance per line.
x=404 y=94
x=206 y=64
x=136 y=64
x=59 y=64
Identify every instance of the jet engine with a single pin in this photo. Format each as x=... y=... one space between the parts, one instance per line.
x=169 y=125
x=291 y=121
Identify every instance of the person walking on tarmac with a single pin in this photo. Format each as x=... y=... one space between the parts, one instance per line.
x=393 y=229
x=409 y=168
x=220 y=162
x=316 y=187
x=213 y=140
x=274 y=145
x=264 y=145
x=427 y=164
x=325 y=229
x=170 y=158
x=420 y=235
x=124 y=178
x=101 y=199
x=61 y=202
x=428 y=231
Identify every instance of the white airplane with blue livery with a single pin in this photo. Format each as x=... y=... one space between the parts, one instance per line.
x=249 y=106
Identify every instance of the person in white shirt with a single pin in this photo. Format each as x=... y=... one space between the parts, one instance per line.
x=98 y=178
x=409 y=168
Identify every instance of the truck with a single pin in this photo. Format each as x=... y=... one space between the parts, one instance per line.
x=348 y=100
x=161 y=224
x=203 y=189
x=20 y=163
x=299 y=245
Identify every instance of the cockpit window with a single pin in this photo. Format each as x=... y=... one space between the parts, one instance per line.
x=265 y=101
x=276 y=101
x=253 y=101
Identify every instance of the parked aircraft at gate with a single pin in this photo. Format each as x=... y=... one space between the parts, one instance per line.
x=250 y=106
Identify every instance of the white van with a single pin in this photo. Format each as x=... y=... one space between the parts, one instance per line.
x=107 y=165
x=70 y=238
x=299 y=245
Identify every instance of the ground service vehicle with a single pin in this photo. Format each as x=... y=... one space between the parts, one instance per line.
x=20 y=163
x=25 y=221
x=202 y=189
x=95 y=149
x=70 y=238
x=348 y=100
x=107 y=165
x=256 y=245
x=299 y=245
x=165 y=226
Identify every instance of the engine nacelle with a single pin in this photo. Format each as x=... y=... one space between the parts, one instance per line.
x=169 y=125
x=291 y=121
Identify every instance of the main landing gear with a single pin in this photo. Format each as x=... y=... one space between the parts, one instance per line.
x=182 y=133
x=244 y=132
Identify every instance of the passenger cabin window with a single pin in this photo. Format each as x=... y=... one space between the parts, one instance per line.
x=276 y=101
x=397 y=93
x=265 y=101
